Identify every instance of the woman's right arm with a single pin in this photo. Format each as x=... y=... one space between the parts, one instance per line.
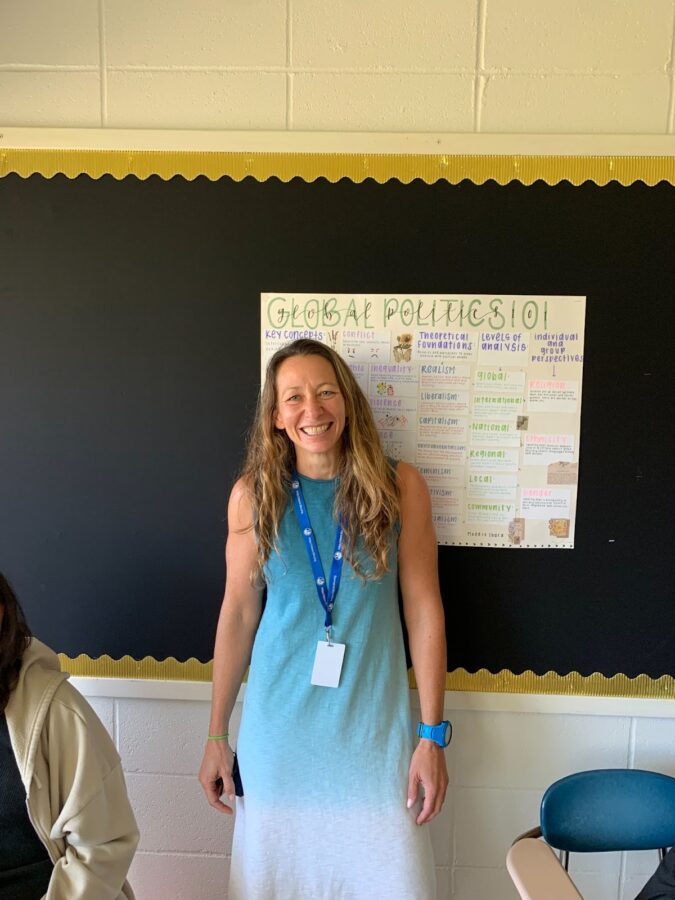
x=237 y=626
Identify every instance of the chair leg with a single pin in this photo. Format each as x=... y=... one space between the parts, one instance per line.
x=565 y=859
x=662 y=853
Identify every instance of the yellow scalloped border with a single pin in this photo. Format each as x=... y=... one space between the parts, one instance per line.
x=572 y=684
x=505 y=682
x=168 y=669
x=382 y=167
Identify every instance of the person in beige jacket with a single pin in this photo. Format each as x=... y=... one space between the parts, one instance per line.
x=69 y=778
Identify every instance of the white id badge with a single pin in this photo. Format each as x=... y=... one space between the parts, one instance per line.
x=328 y=664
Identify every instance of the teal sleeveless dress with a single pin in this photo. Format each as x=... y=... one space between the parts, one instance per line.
x=325 y=770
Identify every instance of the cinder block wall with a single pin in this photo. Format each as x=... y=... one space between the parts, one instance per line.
x=571 y=66
x=500 y=762
x=599 y=66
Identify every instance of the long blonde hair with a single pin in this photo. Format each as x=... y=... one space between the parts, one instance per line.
x=367 y=495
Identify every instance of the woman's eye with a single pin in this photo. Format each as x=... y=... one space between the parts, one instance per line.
x=327 y=393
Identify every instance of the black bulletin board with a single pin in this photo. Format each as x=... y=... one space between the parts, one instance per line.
x=129 y=361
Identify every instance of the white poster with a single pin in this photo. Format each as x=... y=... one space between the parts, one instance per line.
x=482 y=393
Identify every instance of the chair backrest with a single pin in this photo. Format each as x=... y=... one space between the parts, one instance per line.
x=609 y=809
x=537 y=874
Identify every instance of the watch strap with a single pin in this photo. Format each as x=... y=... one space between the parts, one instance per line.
x=440 y=734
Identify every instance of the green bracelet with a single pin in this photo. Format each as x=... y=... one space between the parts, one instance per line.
x=218 y=737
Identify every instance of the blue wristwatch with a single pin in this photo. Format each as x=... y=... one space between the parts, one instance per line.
x=440 y=734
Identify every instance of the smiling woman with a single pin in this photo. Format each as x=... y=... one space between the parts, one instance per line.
x=311 y=410
x=325 y=745
x=366 y=490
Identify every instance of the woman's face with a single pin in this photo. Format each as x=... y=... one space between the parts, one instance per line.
x=310 y=407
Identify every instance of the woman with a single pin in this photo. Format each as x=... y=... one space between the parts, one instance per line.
x=66 y=827
x=330 y=779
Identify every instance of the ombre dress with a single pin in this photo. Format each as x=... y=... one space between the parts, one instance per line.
x=325 y=770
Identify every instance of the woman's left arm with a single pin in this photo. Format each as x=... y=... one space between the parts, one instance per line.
x=425 y=621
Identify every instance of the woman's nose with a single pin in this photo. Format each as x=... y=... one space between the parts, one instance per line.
x=313 y=406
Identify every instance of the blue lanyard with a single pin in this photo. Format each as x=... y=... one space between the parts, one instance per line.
x=327 y=592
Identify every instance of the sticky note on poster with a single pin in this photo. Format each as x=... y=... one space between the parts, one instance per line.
x=492 y=485
x=489 y=512
x=503 y=381
x=440 y=474
x=394 y=412
x=439 y=428
x=443 y=402
x=453 y=402
x=489 y=460
x=562 y=473
x=497 y=406
x=443 y=374
x=392 y=380
x=398 y=444
x=448 y=526
x=545 y=503
x=433 y=453
x=447 y=499
x=491 y=434
x=360 y=372
x=363 y=345
x=544 y=449
x=552 y=396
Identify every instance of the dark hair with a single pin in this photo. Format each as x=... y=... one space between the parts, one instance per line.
x=14 y=638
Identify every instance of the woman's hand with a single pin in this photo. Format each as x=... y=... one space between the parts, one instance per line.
x=215 y=775
x=427 y=768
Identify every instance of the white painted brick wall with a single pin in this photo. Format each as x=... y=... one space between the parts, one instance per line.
x=172 y=34
x=529 y=754
x=500 y=762
x=577 y=66
x=60 y=98
x=387 y=101
x=380 y=35
x=40 y=33
x=617 y=36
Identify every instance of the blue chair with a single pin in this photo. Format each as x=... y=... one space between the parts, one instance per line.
x=607 y=809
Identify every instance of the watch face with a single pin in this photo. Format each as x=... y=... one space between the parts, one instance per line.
x=440 y=733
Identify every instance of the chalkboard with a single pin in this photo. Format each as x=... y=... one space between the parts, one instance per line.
x=129 y=370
